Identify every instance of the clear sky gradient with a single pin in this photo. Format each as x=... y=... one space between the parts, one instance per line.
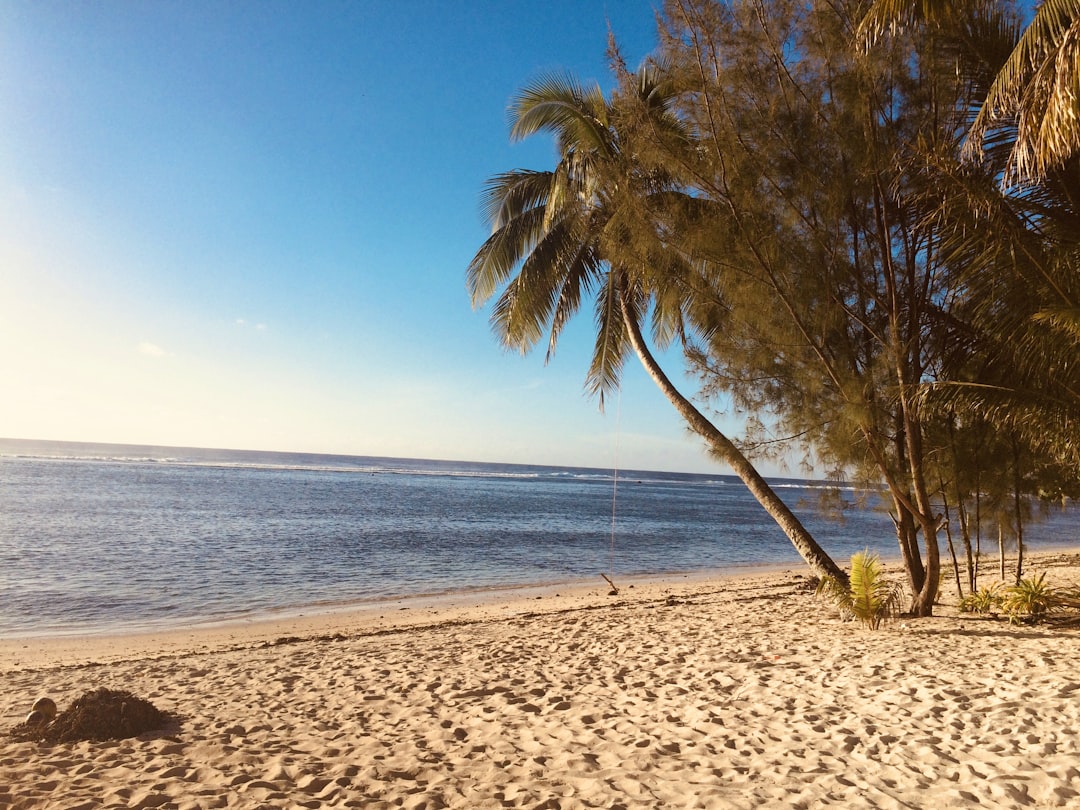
x=247 y=224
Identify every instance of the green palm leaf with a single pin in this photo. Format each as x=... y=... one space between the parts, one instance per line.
x=559 y=105
x=869 y=598
x=1039 y=86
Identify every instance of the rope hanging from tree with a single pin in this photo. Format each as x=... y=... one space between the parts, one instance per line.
x=614 y=497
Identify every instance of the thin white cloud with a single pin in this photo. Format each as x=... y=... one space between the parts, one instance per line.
x=151 y=349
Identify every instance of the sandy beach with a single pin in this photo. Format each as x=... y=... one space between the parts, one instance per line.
x=729 y=693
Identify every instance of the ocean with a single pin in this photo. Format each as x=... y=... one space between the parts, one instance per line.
x=105 y=538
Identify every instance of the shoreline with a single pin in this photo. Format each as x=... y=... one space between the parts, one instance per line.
x=739 y=692
x=473 y=595
x=489 y=604
x=380 y=616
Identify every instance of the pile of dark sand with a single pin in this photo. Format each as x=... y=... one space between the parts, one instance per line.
x=103 y=714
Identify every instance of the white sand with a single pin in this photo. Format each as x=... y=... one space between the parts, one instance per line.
x=739 y=693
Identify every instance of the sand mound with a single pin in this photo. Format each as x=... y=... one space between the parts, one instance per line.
x=104 y=714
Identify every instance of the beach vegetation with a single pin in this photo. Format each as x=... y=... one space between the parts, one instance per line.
x=986 y=600
x=1033 y=89
x=798 y=196
x=882 y=330
x=869 y=597
x=1030 y=600
x=1018 y=294
x=809 y=230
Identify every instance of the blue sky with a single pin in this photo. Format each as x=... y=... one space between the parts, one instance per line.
x=246 y=225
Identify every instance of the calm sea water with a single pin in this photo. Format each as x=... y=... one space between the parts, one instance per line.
x=108 y=537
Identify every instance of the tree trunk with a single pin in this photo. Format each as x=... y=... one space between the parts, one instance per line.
x=965 y=535
x=923 y=604
x=908 y=538
x=949 y=542
x=924 y=600
x=961 y=511
x=978 y=534
x=906 y=531
x=1001 y=549
x=820 y=562
x=1019 y=553
x=1019 y=516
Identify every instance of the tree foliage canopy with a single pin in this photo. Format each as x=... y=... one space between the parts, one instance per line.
x=860 y=222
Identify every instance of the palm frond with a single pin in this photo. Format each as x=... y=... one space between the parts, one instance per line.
x=1030 y=600
x=510 y=194
x=609 y=350
x=894 y=16
x=1047 y=422
x=581 y=274
x=1039 y=87
x=1064 y=319
x=501 y=253
x=525 y=309
x=873 y=597
x=868 y=597
x=557 y=104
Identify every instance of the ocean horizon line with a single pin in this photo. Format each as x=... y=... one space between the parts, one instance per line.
x=304 y=460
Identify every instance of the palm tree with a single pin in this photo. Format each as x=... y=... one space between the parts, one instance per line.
x=1037 y=89
x=559 y=236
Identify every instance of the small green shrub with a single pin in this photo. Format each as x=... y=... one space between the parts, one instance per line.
x=870 y=597
x=1031 y=600
x=986 y=600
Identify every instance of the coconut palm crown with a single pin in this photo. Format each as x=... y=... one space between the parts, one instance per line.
x=553 y=232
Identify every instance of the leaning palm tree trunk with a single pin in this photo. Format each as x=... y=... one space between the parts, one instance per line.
x=554 y=236
x=819 y=561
